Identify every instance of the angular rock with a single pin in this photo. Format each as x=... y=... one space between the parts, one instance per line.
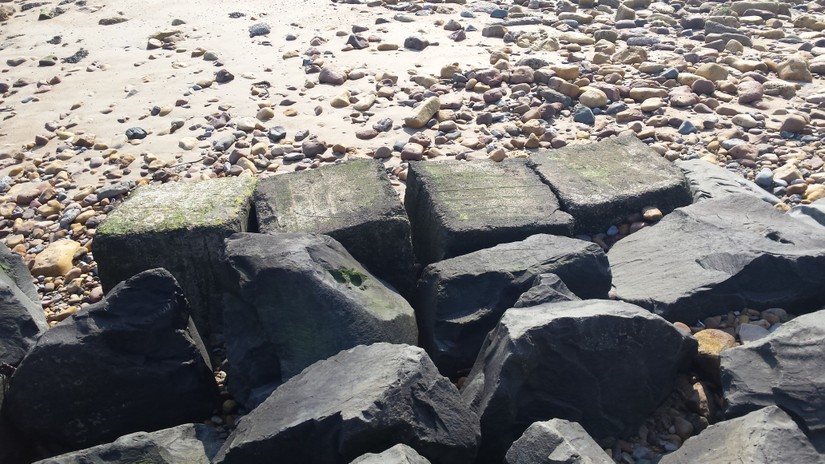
x=423 y=113
x=363 y=399
x=353 y=203
x=132 y=362
x=604 y=364
x=299 y=298
x=707 y=180
x=602 y=183
x=188 y=443
x=812 y=214
x=398 y=454
x=785 y=368
x=181 y=228
x=21 y=315
x=765 y=436
x=556 y=441
x=461 y=299
x=547 y=288
x=721 y=254
x=459 y=207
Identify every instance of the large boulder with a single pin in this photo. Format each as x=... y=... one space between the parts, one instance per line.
x=296 y=299
x=707 y=180
x=786 y=368
x=361 y=400
x=604 y=364
x=461 y=299
x=719 y=255
x=180 y=227
x=21 y=315
x=132 y=362
x=457 y=207
x=188 y=443
x=352 y=202
x=556 y=441
x=812 y=214
x=602 y=183
x=766 y=436
x=398 y=454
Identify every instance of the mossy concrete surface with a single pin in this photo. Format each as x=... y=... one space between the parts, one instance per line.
x=602 y=183
x=354 y=203
x=456 y=207
x=181 y=228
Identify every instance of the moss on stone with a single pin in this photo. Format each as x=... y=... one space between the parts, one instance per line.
x=156 y=208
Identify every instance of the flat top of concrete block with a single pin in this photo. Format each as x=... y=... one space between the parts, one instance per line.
x=326 y=199
x=590 y=174
x=155 y=208
x=484 y=194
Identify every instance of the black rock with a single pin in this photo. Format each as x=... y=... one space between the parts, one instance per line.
x=398 y=454
x=554 y=96
x=766 y=436
x=584 y=115
x=21 y=315
x=189 y=443
x=357 y=42
x=223 y=76
x=721 y=254
x=547 y=288
x=132 y=362
x=604 y=364
x=461 y=299
x=416 y=43
x=135 y=133
x=364 y=399
x=276 y=134
x=300 y=298
x=556 y=441
x=785 y=368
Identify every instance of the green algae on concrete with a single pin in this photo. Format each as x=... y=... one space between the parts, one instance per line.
x=456 y=207
x=354 y=203
x=603 y=183
x=180 y=227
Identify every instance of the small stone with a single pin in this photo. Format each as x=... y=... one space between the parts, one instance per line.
x=56 y=259
x=416 y=43
x=134 y=133
x=651 y=214
x=332 y=76
x=266 y=113
x=423 y=113
x=583 y=115
x=751 y=332
x=749 y=91
x=744 y=120
x=259 y=29
x=712 y=72
x=794 y=69
x=223 y=76
x=794 y=123
x=593 y=98
x=412 y=152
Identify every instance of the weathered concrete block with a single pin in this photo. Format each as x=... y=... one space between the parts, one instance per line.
x=602 y=183
x=353 y=203
x=459 y=207
x=181 y=228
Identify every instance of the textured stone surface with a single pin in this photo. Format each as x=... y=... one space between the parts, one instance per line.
x=296 y=299
x=605 y=364
x=707 y=180
x=766 y=436
x=132 y=362
x=21 y=315
x=189 y=443
x=547 y=288
x=398 y=454
x=362 y=399
x=353 y=203
x=786 y=368
x=556 y=441
x=602 y=183
x=461 y=299
x=458 y=207
x=720 y=255
x=179 y=227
